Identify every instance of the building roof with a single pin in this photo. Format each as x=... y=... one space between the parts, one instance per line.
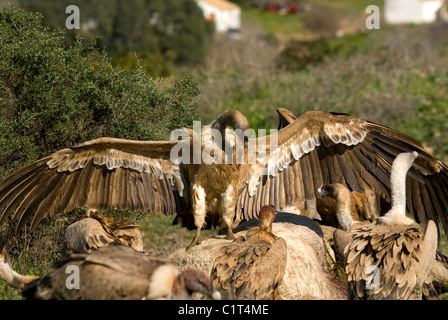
x=221 y=4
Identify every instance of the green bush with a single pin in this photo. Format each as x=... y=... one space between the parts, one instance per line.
x=52 y=97
x=429 y=124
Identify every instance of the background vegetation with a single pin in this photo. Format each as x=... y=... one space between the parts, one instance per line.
x=57 y=90
x=52 y=96
x=160 y=32
x=396 y=76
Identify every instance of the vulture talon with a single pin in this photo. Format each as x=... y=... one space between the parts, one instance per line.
x=196 y=241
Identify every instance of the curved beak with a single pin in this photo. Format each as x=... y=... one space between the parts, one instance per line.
x=322 y=194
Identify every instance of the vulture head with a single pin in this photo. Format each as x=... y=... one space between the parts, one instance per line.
x=267 y=217
x=341 y=195
x=400 y=166
x=335 y=191
x=235 y=119
x=195 y=281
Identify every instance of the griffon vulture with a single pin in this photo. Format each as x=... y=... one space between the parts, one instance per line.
x=113 y=272
x=252 y=267
x=284 y=168
x=387 y=258
x=97 y=230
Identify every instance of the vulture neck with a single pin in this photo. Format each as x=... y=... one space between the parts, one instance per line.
x=230 y=118
x=13 y=278
x=398 y=191
x=265 y=225
x=343 y=213
x=400 y=167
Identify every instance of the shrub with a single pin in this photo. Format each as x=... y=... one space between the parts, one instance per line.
x=429 y=123
x=53 y=97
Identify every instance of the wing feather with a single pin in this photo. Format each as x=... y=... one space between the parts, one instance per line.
x=98 y=174
x=382 y=261
x=323 y=147
x=250 y=269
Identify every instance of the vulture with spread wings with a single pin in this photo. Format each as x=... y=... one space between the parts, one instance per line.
x=316 y=148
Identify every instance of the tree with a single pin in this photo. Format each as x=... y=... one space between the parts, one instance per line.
x=149 y=26
x=53 y=96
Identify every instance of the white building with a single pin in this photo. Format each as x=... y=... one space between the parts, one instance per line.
x=225 y=14
x=411 y=11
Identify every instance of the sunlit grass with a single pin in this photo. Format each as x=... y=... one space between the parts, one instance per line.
x=161 y=237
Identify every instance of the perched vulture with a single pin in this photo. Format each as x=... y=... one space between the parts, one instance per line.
x=281 y=169
x=388 y=258
x=252 y=268
x=113 y=272
x=96 y=231
x=348 y=219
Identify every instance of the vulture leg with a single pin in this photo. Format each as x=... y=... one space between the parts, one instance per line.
x=228 y=204
x=230 y=235
x=196 y=240
x=199 y=209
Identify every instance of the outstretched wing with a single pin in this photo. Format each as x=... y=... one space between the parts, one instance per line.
x=98 y=174
x=321 y=148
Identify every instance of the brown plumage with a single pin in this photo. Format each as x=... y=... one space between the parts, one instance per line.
x=307 y=274
x=252 y=268
x=97 y=230
x=365 y=204
x=348 y=219
x=347 y=216
x=317 y=148
x=388 y=258
x=344 y=202
x=115 y=272
x=385 y=264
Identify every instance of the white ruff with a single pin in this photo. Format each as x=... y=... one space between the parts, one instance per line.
x=161 y=281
